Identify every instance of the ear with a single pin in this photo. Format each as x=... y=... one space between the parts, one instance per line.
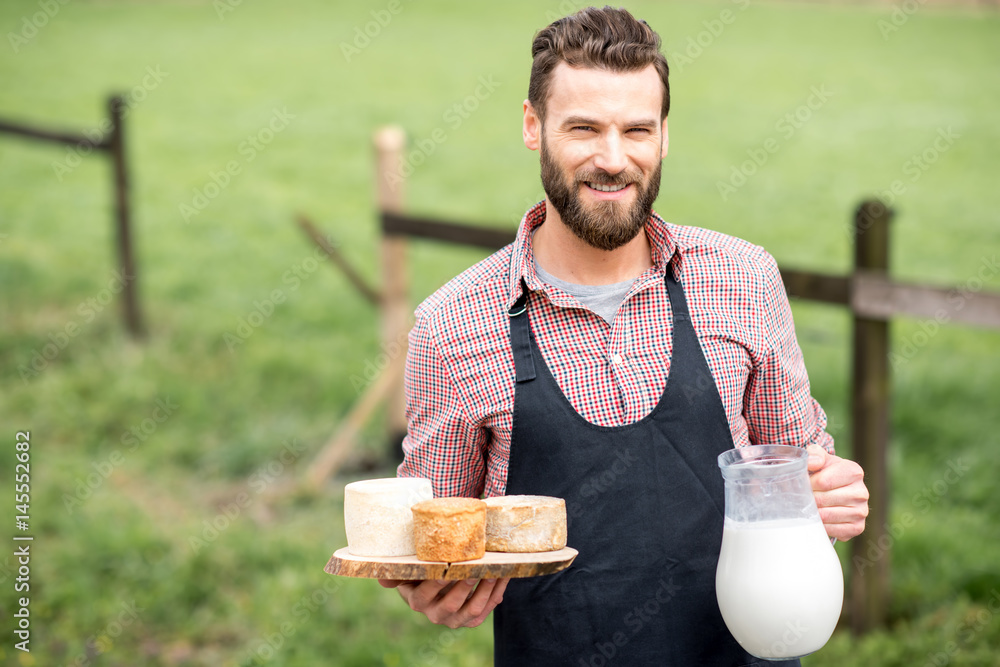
x=666 y=140
x=531 y=131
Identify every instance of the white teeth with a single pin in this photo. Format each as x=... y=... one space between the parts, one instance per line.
x=607 y=188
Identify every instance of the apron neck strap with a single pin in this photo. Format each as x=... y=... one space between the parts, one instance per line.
x=520 y=337
x=678 y=300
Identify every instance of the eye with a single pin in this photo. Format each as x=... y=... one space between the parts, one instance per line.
x=583 y=128
x=643 y=130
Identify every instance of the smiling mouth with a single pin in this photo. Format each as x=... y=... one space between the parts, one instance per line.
x=606 y=188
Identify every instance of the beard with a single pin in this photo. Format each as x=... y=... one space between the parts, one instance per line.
x=605 y=225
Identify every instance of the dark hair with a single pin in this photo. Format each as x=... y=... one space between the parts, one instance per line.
x=606 y=38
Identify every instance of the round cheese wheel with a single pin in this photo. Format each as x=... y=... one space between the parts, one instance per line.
x=450 y=529
x=522 y=524
x=377 y=515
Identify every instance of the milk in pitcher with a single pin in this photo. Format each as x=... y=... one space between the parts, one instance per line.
x=779 y=585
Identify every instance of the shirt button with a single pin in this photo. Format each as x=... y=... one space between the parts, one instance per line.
x=616 y=359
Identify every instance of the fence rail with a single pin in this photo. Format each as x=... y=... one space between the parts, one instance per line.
x=868 y=293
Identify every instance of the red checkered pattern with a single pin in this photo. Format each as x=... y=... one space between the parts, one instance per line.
x=460 y=370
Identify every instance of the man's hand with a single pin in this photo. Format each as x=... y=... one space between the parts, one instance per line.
x=456 y=604
x=840 y=491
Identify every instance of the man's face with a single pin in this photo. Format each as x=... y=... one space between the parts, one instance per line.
x=601 y=149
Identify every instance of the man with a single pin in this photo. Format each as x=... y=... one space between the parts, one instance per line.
x=607 y=357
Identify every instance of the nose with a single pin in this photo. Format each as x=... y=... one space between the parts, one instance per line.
x=610 y=155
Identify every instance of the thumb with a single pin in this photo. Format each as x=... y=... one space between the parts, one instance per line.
x=817 y=457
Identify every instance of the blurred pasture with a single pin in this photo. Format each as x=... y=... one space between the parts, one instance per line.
x=159 y=536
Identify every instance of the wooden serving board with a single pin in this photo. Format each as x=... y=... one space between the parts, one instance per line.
x=492 y=565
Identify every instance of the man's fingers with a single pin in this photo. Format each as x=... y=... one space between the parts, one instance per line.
x=421 y=596
x=452 y=607
x=852 y=495
x=843 y=522
x=844 y=510
x=477 y=602
x=486 y=597
x=498 y=591
x=496 y=597
x=845 y=531
x=456 y=604
x=832 y=515
x=841 y=496
x=492 y=595
x=454 y=599
x=837 y=474
x=468 y=604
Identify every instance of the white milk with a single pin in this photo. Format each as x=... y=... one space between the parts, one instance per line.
x=779 y=585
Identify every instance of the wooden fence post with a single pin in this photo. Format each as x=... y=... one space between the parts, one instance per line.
x=390 y=143
x=123 y=217
x=870 y=551
x=387 y=388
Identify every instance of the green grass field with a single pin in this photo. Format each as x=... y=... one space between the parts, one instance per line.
x=159 y=538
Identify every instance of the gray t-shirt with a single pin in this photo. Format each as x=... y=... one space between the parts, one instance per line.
x=602 y=299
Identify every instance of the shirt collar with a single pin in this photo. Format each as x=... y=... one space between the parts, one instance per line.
x=522 y=261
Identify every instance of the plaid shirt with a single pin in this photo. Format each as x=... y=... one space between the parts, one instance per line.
x=460 y=369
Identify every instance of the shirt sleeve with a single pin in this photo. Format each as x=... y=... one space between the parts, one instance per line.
x=778 y=405
x=440 y=444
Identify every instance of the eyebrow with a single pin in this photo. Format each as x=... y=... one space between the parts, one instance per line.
x=584 y=120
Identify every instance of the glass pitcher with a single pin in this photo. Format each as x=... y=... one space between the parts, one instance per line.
x=779 y=582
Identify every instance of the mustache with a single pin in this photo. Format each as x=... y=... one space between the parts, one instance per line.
x=604 y=178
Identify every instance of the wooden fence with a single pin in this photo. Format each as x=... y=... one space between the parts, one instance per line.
x=113 y=144
x=868 y=291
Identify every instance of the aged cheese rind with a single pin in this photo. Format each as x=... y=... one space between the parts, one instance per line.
x=450 y=530
x=525 y=524
x=377 y=515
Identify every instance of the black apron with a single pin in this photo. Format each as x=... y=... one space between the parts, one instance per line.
x=645 y=509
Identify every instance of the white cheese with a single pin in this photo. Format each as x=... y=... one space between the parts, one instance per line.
x=377 y=515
